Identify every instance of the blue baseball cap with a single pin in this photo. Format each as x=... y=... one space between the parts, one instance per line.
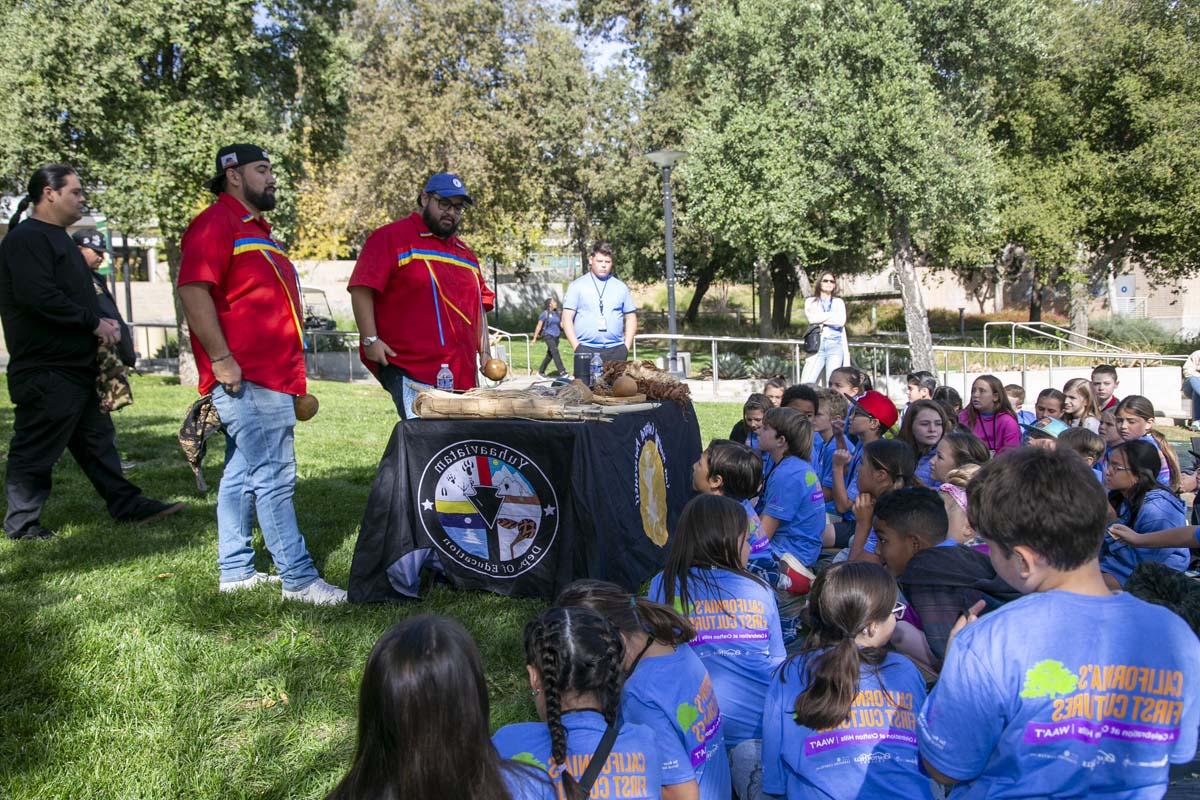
x=1047 y=428
x=445 y=184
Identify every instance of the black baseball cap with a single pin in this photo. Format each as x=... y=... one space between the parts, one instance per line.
x=90 y=238
x=234 y=155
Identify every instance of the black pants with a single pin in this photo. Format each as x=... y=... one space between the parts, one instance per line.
x=552 y=353
x=583 y=358
x=58 y=410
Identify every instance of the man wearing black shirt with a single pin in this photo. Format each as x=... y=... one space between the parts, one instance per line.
x=52 y=325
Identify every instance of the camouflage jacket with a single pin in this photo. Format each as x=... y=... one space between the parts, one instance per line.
x=112 y=383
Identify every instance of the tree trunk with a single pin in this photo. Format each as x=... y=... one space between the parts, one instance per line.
x=188 y=374
x=1080 y=296
x=803 y=284
x=1035 y=292
x=781 y=280
x=916 y=321
x=763 y=271
x=703 y=281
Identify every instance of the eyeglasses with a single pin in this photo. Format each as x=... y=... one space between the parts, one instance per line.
x=899 y=609
x=828 y=280
x=448 y=205
x=1114 y=468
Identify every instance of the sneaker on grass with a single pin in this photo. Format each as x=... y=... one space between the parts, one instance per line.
x=318 y=593
x=794 y=577
x=257 y=579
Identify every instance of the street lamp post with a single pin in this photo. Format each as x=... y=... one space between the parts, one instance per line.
x=665 y=160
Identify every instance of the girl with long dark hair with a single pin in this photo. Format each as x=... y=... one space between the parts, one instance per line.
x=576 y=664
x=925 y=423
x=666 y=688
x=887 y=465
x=1135 y=420
x=736 y=618
x=840 y=717
x=423 y=723
x=1141 y=502
x=792 y=504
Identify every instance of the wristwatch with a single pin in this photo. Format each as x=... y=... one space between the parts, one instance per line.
x=369 y=340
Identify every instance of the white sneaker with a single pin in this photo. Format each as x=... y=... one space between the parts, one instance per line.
x=318 y=593
x=249 y=583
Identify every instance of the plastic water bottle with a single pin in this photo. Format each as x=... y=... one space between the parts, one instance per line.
x=596 y=370
x=445 y=379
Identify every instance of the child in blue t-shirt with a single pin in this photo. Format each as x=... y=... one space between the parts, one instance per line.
x=411 y=711
x=792 y=505
x=840 y=719
x=734 y=613
x=871 y=416
x=667 y=689
x=1143 y=504
x=575 y=659
x=730 y=470
x=887 y=465
x=733 y=470
x=1058 y=694
x=830 y=406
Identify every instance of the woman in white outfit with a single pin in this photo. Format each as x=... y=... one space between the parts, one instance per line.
x=826 y=309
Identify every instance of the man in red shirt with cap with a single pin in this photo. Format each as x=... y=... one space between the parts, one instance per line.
x=241 y=296
x=419 y=297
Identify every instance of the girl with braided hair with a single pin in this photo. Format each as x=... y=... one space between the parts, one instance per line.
x=738 y=633
x=575 y=659
x=666 y=688
x=423 y=723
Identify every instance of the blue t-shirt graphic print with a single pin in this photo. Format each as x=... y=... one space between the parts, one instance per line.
x=1063 y=695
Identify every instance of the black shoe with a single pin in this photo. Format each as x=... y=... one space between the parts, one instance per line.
x=151 y=510
x=31 y=533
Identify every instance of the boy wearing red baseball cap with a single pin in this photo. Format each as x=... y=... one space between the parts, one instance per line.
x=871 y=416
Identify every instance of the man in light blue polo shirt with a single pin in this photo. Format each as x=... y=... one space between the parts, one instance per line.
x=599 y=315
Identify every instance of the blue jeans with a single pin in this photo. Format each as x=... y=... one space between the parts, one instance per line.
x=260 y=476
x=745 y=769
x=828 y=358
x=1194 y=384
x=403 y=390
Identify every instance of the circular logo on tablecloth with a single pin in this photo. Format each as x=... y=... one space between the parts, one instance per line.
x=650 y=483
x=488 y=507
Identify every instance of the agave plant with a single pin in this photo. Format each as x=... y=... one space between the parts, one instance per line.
x=731 y=366
x=768 y=366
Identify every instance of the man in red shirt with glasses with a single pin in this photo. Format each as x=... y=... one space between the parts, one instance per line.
x=419 y=297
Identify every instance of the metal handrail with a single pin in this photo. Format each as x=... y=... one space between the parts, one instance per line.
x=944 y=350
x=528 y=345
x=1070 y=337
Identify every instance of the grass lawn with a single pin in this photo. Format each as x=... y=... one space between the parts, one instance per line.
x=126 y=674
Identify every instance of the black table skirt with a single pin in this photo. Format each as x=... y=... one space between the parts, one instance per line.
x=521 y=507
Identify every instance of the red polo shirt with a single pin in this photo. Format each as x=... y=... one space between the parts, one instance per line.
x=256 y=292
x=429 y=293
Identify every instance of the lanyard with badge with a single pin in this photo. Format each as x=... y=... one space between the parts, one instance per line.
x=603 y=325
